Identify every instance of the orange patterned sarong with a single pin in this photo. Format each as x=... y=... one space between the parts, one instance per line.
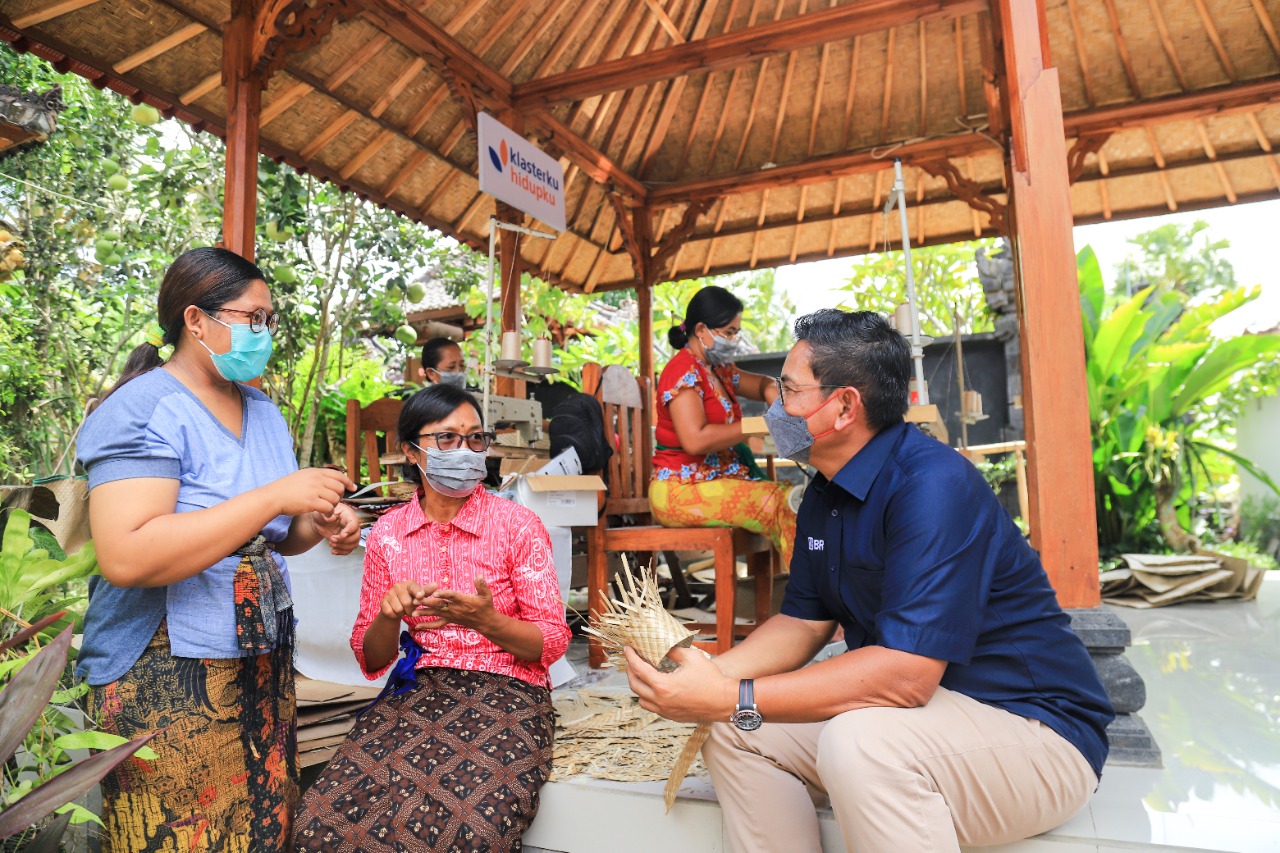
x=759 y=506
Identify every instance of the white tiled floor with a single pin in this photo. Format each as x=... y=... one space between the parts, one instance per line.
x=1212 y=673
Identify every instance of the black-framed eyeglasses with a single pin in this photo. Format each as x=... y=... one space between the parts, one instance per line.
x=785 y=388
x=258 y=318
x=477 y=441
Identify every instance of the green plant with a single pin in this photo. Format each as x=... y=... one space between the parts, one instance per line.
x=946 y=279
x=1260 y=524
x=1154 y=370
x=36 y=606
x=24 y=703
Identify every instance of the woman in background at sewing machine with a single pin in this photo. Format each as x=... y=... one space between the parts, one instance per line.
x=442 y=364
x=703 y=473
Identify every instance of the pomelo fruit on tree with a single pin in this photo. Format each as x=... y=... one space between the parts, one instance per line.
x=407 y=335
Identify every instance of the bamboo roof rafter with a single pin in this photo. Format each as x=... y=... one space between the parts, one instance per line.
x=761 y=111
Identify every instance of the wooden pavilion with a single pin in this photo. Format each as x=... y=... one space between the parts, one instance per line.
x=710 y=136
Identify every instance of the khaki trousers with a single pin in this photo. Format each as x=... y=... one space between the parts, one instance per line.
x=899 y=779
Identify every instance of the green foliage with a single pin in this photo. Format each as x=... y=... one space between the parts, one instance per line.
x=580 y=334
x=1154 y=373
x=95 y=256
x=1179 y=259
x=946 y=280
x=1260 y=525
x=81 y=309
x=37 y=604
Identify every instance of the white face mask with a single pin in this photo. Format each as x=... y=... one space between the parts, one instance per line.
x=455 y=473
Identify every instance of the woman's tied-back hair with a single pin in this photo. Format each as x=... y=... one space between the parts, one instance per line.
x=429 y=406
x=713 y=306
x=207 y=278
x=860 y=349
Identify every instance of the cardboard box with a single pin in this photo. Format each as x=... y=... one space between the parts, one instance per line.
x=754 y=426
x=562 y=500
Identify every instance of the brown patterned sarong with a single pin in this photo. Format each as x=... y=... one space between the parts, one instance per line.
x=454 y=764
x=226 y=776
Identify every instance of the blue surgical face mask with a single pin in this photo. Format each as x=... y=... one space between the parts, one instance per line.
x=250 y=351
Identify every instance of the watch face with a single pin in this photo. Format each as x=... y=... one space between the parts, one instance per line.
x=747 y=720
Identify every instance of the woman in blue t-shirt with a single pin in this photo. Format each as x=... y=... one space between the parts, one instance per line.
x=194 y=499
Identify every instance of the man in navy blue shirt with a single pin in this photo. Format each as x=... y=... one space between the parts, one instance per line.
x=966 y=711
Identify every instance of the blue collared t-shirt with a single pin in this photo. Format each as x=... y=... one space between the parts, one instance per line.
x=155 y=427
x=909 y=548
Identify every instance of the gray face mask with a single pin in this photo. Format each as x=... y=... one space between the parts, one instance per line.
x=457 y=379
x=722 y=350
x=790 y=433
x=454 y=473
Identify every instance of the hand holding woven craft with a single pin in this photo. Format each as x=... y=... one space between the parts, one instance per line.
x=640 y=621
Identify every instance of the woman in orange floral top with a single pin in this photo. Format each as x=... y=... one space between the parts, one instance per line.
x=703 y=476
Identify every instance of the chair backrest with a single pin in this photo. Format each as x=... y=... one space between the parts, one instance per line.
x=629 y=430
x=363 y=425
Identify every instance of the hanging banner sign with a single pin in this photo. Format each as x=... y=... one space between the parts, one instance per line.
x=515 y=171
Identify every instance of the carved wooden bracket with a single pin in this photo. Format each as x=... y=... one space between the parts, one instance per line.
x=968 y=191
x=460 y=88
x=635 y=224
x=632 y=225
x=1084 y=145
x=677 y=236
x=284 y=27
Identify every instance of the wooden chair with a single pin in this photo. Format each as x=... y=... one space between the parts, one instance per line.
x=363 y=425
x=628 y=428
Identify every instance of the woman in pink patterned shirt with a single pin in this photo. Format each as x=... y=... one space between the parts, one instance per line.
x=453 y=754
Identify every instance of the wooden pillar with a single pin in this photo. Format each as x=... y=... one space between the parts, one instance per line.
x=1060 y=475
x=510 y=271
x=644 y=305
x=244 y=98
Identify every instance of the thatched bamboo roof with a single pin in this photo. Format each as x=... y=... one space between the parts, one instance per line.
x=765 y=127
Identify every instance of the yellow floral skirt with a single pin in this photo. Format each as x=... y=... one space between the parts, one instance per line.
x=759 y=506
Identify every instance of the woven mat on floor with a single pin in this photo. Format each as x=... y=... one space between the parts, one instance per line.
x=607 y=735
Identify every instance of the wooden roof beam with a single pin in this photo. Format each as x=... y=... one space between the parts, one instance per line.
x=1219 y=100
x=821 y=169
x=736 y=48
x=1268 y=26
x=160 y=48
x=410 y=27
x=49 y=12
x=1095 y=122
x=591 y=161
x=489 y=88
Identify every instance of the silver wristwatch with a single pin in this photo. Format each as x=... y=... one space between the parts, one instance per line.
x=745 y=716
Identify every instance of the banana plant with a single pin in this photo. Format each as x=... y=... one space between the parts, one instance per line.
x=1153 y=370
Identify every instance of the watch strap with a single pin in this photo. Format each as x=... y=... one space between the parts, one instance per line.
x=746 y=694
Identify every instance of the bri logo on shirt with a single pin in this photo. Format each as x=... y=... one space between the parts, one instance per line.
x=816 y=544
x=524 y=174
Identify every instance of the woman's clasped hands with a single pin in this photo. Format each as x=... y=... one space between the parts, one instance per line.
x=442 y=607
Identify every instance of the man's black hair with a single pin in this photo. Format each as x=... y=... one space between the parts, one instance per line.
x=860 y=349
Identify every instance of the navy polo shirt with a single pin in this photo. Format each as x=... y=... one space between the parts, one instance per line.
x=909 y=548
